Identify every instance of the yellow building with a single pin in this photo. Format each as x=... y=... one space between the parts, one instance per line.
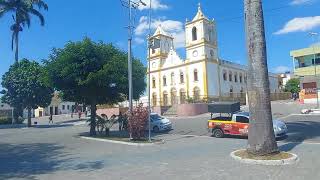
x=307 y=69
x=303 y=60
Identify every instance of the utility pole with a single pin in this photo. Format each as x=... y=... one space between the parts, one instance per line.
x=130 y=4
x=313 y=35
x=149 y=89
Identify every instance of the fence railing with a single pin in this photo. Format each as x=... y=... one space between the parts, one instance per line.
x=174 y=100
x=238 y=97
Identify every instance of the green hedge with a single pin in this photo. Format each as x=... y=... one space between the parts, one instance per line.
x=8 y=120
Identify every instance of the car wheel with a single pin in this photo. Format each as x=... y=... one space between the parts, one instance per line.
x=155 y=129
x=218 y=133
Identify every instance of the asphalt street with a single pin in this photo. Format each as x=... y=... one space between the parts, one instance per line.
x=56 y=151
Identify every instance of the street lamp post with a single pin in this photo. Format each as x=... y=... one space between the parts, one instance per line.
x=314 y=34
x=149 y=89
x=130 y=4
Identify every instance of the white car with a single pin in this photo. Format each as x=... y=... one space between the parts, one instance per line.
x=159 y=123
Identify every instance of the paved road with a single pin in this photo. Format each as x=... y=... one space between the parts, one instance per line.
x=301 y=127
x=57 y=153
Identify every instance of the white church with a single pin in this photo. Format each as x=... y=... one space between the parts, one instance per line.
x=202 y=75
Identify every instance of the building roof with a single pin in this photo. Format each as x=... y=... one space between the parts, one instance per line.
x=199 y=14
x=160 y=31
x=305 y=52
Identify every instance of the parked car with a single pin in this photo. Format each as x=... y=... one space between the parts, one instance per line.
x=159 y=123
x=238 y=124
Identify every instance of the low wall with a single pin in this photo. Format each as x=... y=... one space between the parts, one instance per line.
x=191 y=109
x=111 y=111
x=160 y=109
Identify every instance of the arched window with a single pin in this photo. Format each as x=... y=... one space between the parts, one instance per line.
x=195 y=75
x=235 y=77
x=230 y=76
x=240 y=78
x=194 y=34
x=153 y=82
x=172 y=78
x=210 y=35
x=181 y=77
x=164 y=81
x=225 y=76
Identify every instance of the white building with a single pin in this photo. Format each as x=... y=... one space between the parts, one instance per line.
x=202 y=74
x=56 y=107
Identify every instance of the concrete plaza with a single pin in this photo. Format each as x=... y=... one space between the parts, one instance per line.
x=57 y=152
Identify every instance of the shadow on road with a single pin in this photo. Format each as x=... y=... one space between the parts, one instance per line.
x=299 y=132
x=26 y=161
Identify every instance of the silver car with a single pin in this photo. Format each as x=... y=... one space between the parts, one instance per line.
x=279 y=127
x=159 y=123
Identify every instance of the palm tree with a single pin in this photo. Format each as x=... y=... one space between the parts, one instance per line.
x=261 y=140
x=22 y=11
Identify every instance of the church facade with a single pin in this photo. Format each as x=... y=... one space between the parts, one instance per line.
x=202 y=74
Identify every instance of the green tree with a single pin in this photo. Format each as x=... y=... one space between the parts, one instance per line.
x=261 y=138
x=293 y=86
x=22 y=11
x=93 y=73
x=25 y=87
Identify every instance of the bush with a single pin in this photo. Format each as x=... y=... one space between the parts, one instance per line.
x=5 y=120
x=138 y=122
x=8 y=120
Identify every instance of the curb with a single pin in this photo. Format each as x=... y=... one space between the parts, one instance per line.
x=294 y=159
x=121 y=142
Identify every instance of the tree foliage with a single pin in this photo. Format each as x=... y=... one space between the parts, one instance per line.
x=93 y=73
x=21 y=12
x=293 y=86
x=25 y=86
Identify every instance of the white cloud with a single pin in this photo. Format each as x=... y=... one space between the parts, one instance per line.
x=300 y=25
x=300 y=2
x=139 y=40
x=281 y=69
x=155 y=5
x=174 y=28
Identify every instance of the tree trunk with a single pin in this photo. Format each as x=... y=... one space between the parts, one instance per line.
x=261 y=140
x=17 y=47
x=93 y=119
x=29 y=117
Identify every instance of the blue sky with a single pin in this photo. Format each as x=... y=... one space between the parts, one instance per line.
x=287 y=25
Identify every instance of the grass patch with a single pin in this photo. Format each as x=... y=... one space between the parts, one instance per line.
x=279 y=156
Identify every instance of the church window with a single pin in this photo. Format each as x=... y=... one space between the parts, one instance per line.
x=211 y=53
x=181 y=77
x=195 y=75
x=153 y=82
x=225 y=75
x=172 y=78
x=210 y=35
x=164 y=81
x=194 y=34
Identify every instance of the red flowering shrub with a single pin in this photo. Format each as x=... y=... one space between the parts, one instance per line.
x=138 y=121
